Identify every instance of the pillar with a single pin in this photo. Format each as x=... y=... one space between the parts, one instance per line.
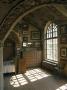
x=1 y=68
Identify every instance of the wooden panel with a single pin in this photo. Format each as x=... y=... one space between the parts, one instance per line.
x=30 y=59
x=33 y=58
x=22 y=66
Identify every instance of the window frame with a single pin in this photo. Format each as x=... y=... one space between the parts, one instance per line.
x=51 y=38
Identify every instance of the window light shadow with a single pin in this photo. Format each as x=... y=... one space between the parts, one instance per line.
x=31 y=75
x=63 y=87
x=18 y=80
x=36 y=74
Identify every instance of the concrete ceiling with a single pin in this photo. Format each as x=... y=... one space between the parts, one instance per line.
x=36 y=12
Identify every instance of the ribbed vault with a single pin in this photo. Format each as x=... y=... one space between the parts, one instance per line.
x=18 y=9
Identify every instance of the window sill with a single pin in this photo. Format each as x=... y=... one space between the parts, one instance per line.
x=50 y=65
x=49 y=62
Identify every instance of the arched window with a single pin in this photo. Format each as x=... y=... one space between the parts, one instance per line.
x=51 y=43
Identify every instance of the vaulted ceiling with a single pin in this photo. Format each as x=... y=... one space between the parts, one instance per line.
x=35 y=12
x=41 y=16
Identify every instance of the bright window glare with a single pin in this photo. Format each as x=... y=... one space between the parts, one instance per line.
x=18 y=80
x=29 y=43
x=63 y=87
x=24 y=44
x=36 y=74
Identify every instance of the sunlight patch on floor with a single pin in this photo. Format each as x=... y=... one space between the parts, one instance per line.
x=18 y=80
x=63 y=87
x=30 y=76
x=36 y=74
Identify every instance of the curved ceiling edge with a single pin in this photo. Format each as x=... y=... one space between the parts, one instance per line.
x=18 y=10
x=16 y=14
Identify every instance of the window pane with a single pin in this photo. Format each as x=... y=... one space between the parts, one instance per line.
x=52 y=43
x=49 y=49
x=47 y=35
x=54 y=34
x=55 y=49
x=55 y=29
x=50 y=35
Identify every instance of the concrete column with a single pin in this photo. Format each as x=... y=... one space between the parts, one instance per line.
x=1 y=68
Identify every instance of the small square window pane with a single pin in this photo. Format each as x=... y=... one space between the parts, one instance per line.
x=47 y=35
x=56 y=34
x=51 y=35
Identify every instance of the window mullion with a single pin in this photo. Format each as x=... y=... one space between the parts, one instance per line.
x=52 y=40
x=51 y=43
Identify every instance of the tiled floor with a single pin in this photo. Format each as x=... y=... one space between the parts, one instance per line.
x=35 y=79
